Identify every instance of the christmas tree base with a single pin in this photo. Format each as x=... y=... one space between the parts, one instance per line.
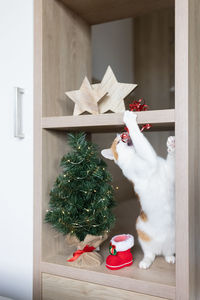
x=86 y=255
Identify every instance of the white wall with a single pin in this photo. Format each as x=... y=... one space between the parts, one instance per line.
x=112 y=44
x=16 y=159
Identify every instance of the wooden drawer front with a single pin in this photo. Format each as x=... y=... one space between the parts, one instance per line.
x=60 y=288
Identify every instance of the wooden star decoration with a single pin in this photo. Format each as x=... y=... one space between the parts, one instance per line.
x=86 y=98
x=116 y=92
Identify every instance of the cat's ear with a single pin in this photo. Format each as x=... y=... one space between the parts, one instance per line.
x=107 y=153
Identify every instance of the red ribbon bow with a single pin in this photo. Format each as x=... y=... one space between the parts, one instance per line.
x=77 y=253
x=125 y=135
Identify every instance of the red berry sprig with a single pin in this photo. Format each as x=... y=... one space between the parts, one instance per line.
x=135 y=106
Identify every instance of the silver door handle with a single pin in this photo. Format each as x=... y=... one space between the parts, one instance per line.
x=18 y=126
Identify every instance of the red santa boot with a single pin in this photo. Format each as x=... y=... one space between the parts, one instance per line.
x=120 y=254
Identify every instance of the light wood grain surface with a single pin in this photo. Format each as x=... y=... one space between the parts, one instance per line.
x=54 y=147
x=67 y=56
x=194 y=148
x=187 y=149
x=60 y=288
x=160 y=118
x=100 y=11
x=154 y=58
x=182 y=154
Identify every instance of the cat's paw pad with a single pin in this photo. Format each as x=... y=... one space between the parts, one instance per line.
x=129 y=116
x=170 y=259
x=144 y=264
x=171 y=144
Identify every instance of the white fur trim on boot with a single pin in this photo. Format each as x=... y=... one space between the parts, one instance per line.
x=122 y=245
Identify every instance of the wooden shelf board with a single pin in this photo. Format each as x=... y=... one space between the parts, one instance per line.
x=160 y=119
x=159 y=280
x=100 y=11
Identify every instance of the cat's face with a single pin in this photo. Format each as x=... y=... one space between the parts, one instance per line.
x=116 y=150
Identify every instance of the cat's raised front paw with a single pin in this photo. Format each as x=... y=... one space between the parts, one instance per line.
x=170 y=259
x=171 y=144
x=129 y=116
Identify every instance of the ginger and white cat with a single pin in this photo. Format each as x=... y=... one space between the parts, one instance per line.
x=153 y=179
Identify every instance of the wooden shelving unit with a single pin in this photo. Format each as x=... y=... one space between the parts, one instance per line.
x=62 y=58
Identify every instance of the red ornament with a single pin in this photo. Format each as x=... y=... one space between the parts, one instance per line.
x=125 y=135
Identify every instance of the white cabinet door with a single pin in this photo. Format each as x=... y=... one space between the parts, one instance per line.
x=16 y=155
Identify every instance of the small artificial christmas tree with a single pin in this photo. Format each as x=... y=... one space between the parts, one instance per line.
x=81 y=199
